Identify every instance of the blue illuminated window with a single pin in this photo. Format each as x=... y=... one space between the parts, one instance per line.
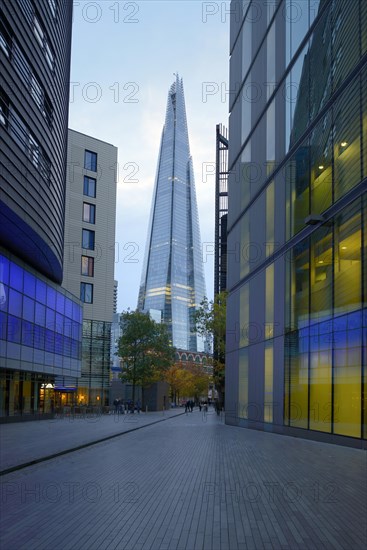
x=4 y=270
x=49 y=341
x=51 y=297
x=16 y=277
x=50 y=319
x=3 y=325
x=41 y=291
x=27 y=333
x=40 y=314
x=59 y=323
x=68 y=308
x=14 y=326
x=15 y=303
x=60 y=303
x=28 y=309
x=29 y=284
x=90 y=161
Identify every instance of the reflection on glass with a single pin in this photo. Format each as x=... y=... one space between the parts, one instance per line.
x=320 y=382
x=296 y=15
x=270 y=218
x=347 y=151
x=348 y=260
x=269 y=301
x=347 y=383
x=245 y=248
x=296 y=94
x=321 y=273
x=298 y=383
x=321 y=165
x=300 y=285
x=243 y=384
x=244 y=315
x=297 y=176
x=268 y=382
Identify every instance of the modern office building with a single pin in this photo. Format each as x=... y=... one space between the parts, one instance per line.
x=297 y=260
x=221 y=209
x=89 y=258
x=173 y=277
x=40 y=324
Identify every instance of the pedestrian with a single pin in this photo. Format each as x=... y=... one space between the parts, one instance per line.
x=138 y=406
x=116 y=404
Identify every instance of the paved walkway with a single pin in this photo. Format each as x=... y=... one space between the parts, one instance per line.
x=24 y=442
x=189 y=483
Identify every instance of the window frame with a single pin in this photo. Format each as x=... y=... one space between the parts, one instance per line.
x=92 y=167
x=90 y=232
x=92 y=207
x=83 y=288
x=90 y=263
x=86 y=187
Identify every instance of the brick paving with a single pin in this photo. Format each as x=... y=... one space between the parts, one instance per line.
x=24 y=442
x=190 y=483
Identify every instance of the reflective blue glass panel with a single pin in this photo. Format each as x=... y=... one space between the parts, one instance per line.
x=41 y=291
x=4 y=270
x=29 y=284
x=51 y=297
x=16 y=276
x=15 y=302
x=14 y=329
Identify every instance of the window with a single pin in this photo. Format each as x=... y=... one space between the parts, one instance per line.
x=88 y=239
x=4 y=109
x=89 y=212
x=87 y=266
x=86 y=293
x=52 y=4
x=90 y=161
x=5 y=39
x=89 y=187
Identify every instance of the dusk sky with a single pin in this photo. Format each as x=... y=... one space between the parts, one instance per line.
x=124 y=57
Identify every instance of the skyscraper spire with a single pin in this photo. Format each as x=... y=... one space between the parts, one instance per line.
x=172 y=277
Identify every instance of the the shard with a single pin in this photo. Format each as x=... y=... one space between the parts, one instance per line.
x=172 y=278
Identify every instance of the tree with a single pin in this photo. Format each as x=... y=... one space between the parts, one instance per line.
x=187 y=380
x=210 y=320
x=144 y=348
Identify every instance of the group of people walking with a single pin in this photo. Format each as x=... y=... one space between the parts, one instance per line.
x=189 y=405
x=125 y=407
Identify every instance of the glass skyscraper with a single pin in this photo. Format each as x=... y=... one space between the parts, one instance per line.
x=297 y=272
x=173 y=278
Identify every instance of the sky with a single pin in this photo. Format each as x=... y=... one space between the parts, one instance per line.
x=124 y=56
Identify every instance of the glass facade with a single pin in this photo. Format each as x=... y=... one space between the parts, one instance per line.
x=172 y=278
x=40 y=338
x=297 y=205
x=94 y=383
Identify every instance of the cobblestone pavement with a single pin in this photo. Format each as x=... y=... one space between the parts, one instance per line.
x=190 y=483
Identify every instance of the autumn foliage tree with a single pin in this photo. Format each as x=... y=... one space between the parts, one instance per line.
x=187 y=379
